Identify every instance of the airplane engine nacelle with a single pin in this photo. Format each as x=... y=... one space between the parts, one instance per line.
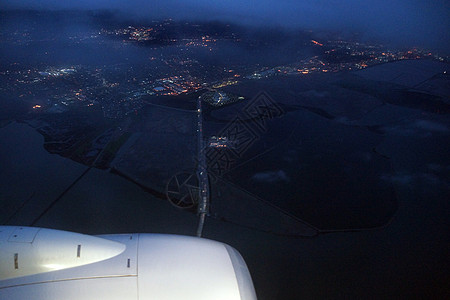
x=44 y=264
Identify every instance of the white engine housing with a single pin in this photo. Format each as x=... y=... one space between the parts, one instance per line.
x=44 y=264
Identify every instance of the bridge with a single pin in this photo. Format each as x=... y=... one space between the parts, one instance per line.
x=202 y=172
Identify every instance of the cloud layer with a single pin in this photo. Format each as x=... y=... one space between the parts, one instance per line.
x=408 y=22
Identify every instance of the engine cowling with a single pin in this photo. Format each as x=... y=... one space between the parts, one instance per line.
x=38 y=263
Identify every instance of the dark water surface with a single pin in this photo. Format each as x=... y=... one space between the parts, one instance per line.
x=407 y=259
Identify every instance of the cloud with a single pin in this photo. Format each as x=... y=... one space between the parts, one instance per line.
x=431 y=126
x=418 y=128
x=316 y=94
x=439 y=168
x=418 y=22
x=413 y=179
x=271 y=176
x=403 y=179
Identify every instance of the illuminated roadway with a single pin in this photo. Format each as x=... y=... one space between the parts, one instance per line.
x=202 y=173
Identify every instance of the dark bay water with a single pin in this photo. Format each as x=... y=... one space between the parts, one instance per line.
x=405 y=260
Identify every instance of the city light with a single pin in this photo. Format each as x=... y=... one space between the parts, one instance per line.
x=316 y=43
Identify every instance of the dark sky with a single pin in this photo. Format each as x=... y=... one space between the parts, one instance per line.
x=423 y=23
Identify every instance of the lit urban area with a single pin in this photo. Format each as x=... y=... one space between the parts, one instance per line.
x=61 y=88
